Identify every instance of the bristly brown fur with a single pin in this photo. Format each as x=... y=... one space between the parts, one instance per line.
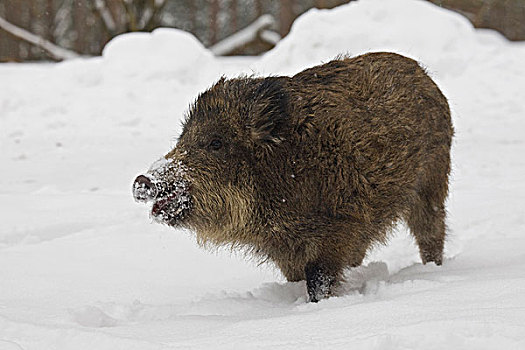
x=317 y=167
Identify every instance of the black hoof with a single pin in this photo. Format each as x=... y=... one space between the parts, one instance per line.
x=319 y=282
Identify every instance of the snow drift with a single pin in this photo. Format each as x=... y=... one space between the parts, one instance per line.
x=82 y=267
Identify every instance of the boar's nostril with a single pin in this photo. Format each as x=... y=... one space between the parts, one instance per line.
x=143 y=189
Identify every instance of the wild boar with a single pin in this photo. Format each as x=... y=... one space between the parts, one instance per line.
x=310 y=171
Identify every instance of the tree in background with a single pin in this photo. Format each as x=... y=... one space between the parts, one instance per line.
x=84 y=27
x=506 y=16
x=45 y=27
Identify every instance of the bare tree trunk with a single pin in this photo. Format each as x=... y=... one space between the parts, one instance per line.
x=287 y=16
x=34 y=27
x=57 y=52
x=50 y=22
x=79 y=26
x=233 y=16
x=12 y=14
x=3 y=38
x=258 y=8
x=131 y=16
x=214 y=12
x=320 y=4
x=193 y=16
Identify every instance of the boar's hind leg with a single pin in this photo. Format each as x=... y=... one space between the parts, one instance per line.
x=426 y=221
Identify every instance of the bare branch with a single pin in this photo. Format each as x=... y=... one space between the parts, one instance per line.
x=258 y=29
x=270 y=36
x=55 y=51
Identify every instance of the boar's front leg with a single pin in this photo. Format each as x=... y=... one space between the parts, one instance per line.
x=321 y=278
x=321 y=258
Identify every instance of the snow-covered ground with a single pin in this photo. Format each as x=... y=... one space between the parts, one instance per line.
x=83 y=267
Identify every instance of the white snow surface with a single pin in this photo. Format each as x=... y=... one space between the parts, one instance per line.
x=83 y=267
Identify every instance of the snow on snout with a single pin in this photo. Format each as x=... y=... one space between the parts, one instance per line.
x=145 y=186
x=166 y=188
x=144 y=189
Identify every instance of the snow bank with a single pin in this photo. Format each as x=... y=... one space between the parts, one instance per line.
x=82 y=267
x=441 y=39
x=168 y=53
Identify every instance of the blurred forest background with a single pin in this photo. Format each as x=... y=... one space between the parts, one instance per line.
x=56 y=29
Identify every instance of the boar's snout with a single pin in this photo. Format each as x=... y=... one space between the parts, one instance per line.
x=166 y=187
x=143 y=189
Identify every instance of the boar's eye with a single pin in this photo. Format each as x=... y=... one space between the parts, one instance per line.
x=215 y=144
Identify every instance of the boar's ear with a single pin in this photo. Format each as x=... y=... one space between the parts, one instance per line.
x=269 y=111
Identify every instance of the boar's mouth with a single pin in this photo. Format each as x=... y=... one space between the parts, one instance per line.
x=173 y=207
x=164 y=186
